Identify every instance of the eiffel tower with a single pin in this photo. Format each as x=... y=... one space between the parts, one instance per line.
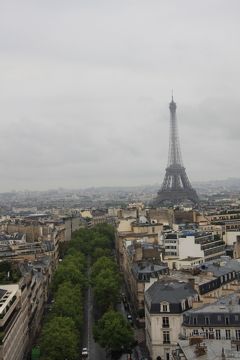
x=176 y=186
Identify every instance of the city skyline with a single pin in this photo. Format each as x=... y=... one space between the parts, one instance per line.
x=85 y=89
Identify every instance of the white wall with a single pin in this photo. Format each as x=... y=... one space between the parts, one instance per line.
x=230 y=237
x=187 y=247
x=175 y=324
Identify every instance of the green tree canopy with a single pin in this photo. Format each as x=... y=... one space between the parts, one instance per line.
x=68 y=272
x=98 y=252
x=103 y=263
x=76 y=258
x=68 y=303
x=106 y=289
x=86 y=240
x=113 y=332
x=59 y=340
x=106 y=230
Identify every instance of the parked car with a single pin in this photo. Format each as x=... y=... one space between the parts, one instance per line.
x=84 y=353
x=129 y=317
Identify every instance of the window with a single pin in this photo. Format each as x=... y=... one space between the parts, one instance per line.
x=166 y=337
x=195 y=332
x=237 y=332
x=165 y=322
x=183 y=305
x=228 y=335
x=164 y=307
x=194 y=321
x=218 y=334
x=219 y=318
x=227 y=320
x=236 y=318
x=206 y=320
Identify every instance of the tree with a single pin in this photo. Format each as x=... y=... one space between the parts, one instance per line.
x=68 y=272
x=106 y=289
x=59 y=340
x=98 y=252
x=103 y=263
x=113 y=332
x=76 y=258
x=68 y=303
x=106 y=230
x=82 y=240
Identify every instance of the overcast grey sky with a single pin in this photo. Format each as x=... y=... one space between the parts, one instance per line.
x=85 y=87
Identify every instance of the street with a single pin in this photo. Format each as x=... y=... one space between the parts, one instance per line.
x=95 y=352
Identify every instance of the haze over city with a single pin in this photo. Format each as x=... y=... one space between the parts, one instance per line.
x=85 y=88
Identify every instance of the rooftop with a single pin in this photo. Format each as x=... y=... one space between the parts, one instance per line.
x=227 y=304
x=171 y=291
x=148 y=268
x=221 y=266
x=214 y=350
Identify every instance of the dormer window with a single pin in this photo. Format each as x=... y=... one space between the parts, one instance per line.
x=206 y=320
x=164 y=307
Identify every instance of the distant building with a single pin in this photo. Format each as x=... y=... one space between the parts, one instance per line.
x=206 y=246
x=134 y=229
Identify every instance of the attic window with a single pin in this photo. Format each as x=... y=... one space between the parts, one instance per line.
x=164 y=307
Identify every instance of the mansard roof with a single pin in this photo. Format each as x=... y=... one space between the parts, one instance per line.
x=170 y=291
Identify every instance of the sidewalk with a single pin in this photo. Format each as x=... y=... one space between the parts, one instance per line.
x=140 y=351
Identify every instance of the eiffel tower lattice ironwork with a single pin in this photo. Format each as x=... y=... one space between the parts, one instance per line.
x=176 y=186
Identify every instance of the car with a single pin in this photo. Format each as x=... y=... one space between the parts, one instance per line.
x=129 y=317
x=84 y=353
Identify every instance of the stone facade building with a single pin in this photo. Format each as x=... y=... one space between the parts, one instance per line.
x=165 y=304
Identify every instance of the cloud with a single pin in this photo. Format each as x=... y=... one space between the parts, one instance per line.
x=85 y=86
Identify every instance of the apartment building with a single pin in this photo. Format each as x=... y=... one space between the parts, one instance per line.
x=134 y=230
x=22 y=306
x=14 y=334
x=142 y=264
x=219 y=321
x=193 y=243
x=165 y=303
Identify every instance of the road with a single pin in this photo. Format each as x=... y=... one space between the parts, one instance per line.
x=95 y=351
